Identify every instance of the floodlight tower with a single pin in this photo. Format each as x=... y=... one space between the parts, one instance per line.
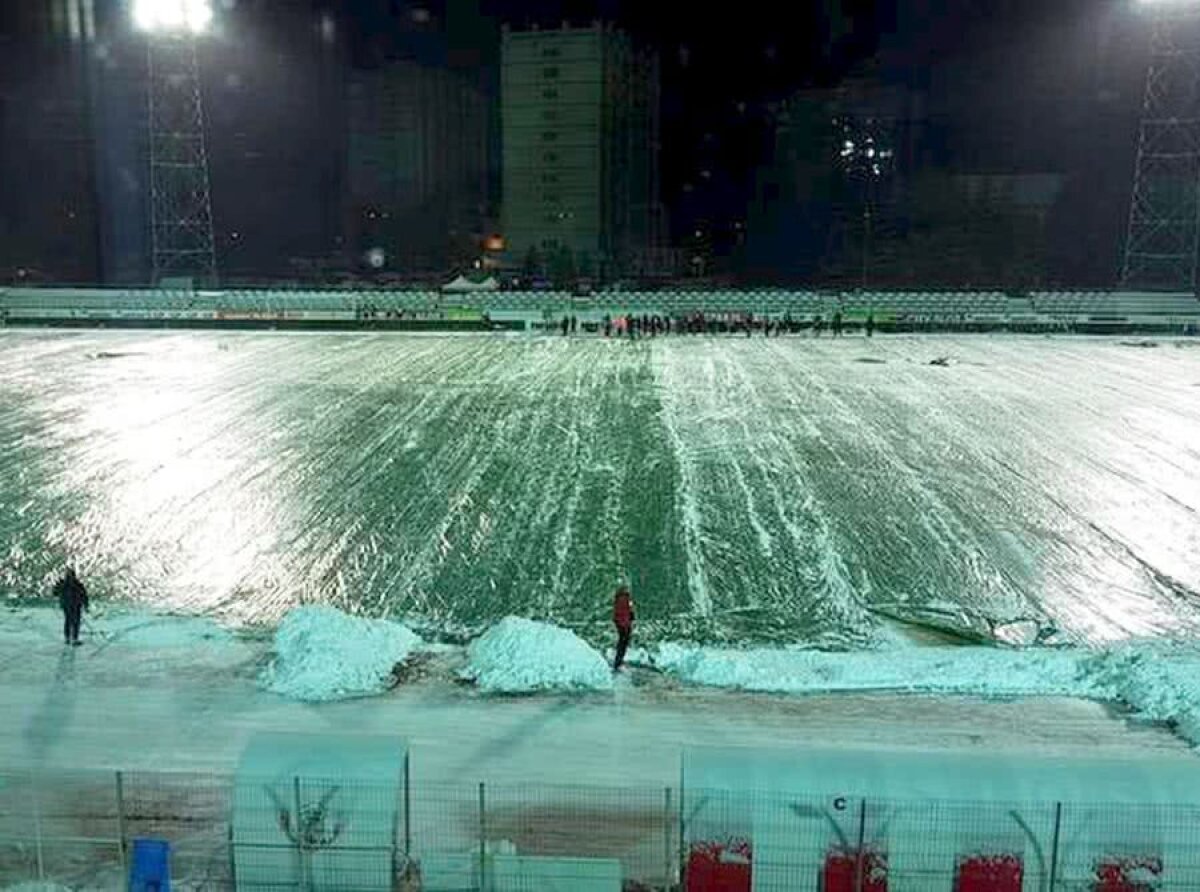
x=1164 y=217
x=180 y=202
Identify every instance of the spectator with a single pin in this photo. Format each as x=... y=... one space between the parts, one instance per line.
x=73 y=599
x=623 y=619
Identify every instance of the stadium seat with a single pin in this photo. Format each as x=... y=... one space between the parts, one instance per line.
x=990 y=873
x=842 y=872
x=719 y=867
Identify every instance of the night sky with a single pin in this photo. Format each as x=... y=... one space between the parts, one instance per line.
x=1016 y=85
x=1008 y=86
x=723 y=65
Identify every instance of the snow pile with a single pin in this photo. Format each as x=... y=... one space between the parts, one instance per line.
x=519 y=655
x=324 y=654
x=37 y=886
x=1160 y=680
x=939 y=670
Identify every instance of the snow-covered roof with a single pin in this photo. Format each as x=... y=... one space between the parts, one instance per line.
x=350 y=757
x=464 y=285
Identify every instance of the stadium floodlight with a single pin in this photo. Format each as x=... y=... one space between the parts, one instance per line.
x=1162 y=242
x=173 y=16
x=181 y=229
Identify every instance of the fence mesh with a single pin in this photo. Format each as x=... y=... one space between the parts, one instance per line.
x=78 y=830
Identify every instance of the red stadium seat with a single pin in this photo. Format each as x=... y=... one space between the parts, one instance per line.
x=990 y=873
x=841 y=871
x=719 y=866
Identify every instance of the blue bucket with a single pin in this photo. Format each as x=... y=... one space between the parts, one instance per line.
x=151 y=870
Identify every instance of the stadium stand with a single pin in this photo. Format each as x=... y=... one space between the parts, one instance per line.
x=899 y=310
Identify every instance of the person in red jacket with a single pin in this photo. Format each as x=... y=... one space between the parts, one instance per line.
x=623 y=620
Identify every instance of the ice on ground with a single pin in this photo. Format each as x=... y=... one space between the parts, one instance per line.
x=322 y=654
x=37 y=886
x=133 y=627
x=519 y=655
x=762 y=491
x=143 y=628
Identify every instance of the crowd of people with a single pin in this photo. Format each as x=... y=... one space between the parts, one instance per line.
x=747 y=324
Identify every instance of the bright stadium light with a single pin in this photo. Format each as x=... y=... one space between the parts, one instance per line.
x=173 y=16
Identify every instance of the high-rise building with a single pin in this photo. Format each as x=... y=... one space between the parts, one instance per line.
x=580 y=137
x=418 y=165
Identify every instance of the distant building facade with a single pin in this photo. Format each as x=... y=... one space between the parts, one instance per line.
x=580 y=142
x=834 y=189
x=417 y=165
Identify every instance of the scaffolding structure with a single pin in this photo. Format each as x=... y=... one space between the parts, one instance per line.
x=1164 y=217
x=180 y=201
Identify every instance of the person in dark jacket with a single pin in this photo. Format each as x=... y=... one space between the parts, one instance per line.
x=870 y=324
x=73 y=599
x=623 y=620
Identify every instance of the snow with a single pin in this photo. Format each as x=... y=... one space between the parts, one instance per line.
x=1159 y=680
x=323 y=654
x=1142 y=876
x=36 y=886
x=88 y=708
x=519 y=656
x=143 y=628
x=128 y=626
x=980 y=671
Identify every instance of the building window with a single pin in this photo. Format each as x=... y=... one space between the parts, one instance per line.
x=549 y=136
x=550 y=71
x=550 y=156
x=549 y=114
x=550 y=52
x=553 y=198
x=550 y=93
x=549 y=178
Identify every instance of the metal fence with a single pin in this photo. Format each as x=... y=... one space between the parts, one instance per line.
x=77 y=830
